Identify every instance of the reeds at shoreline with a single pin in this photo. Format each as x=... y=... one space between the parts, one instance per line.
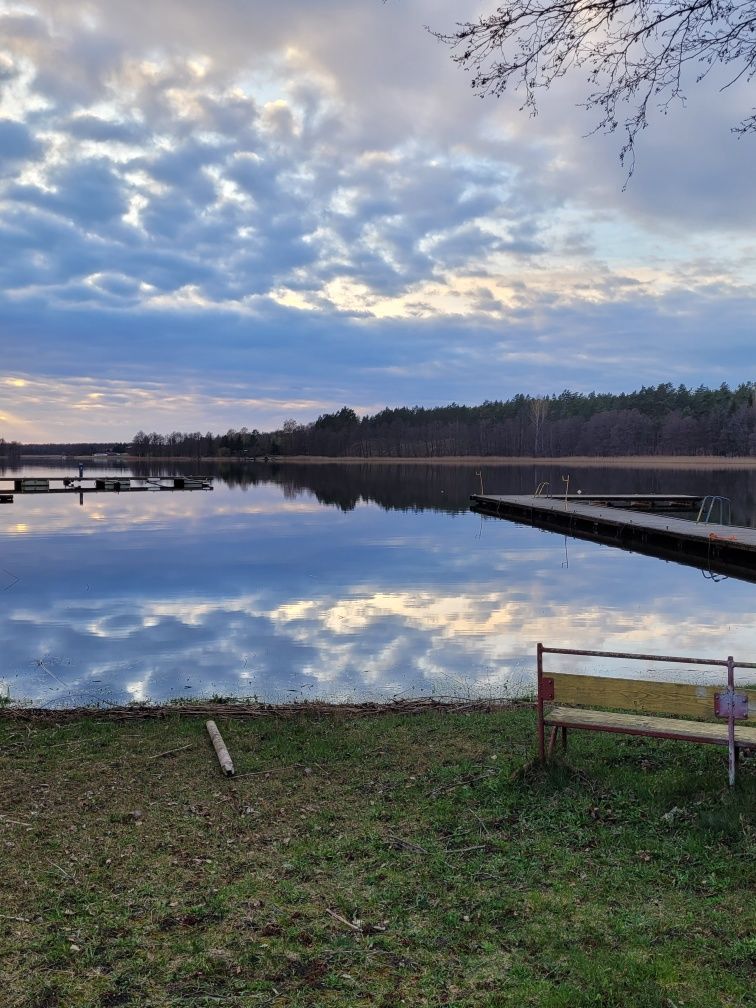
x=246 y=709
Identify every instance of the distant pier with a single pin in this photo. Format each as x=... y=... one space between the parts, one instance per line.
x=615 y=520
x=36 y=485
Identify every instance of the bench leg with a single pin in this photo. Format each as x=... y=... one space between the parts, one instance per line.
x=564 y=740
x=552 y=741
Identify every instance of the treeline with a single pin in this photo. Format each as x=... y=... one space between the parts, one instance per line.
x=10 y=450
x=658 y=420
x=72 y=448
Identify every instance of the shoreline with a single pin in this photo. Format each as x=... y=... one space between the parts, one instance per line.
x=608 y=461
x=245 y=709
x=650 y=462
x=623 y=461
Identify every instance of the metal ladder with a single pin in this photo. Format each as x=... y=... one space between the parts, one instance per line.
x=707 y=508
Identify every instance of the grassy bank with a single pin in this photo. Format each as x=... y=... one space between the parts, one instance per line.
x=388 y=861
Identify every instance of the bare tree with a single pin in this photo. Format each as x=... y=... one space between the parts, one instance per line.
x=538 y=409
x=637 y=55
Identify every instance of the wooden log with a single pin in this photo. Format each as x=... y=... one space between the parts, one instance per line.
x=220 y=748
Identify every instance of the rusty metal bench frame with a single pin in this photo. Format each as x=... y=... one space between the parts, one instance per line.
x=722 y=704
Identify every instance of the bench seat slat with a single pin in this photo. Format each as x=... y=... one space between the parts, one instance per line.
x=636 y=724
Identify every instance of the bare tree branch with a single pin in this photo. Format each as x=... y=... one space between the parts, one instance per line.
x=634 y=53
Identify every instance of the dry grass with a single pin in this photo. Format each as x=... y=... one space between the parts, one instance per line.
x=378 y=861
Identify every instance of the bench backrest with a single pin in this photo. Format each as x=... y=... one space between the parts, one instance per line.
x=641 y=695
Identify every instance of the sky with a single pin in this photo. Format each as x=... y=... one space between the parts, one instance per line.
x=232 y=214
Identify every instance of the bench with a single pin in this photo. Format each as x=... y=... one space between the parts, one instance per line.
x=718 y=715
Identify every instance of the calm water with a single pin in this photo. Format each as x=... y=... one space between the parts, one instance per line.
x=337 y=582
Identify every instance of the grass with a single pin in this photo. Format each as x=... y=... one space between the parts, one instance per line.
x=389 y=861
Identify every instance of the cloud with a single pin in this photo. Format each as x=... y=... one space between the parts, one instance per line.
x=89 y=194
x=494 y=350
x=100 y=130
x=17 y=145
x=222 y=194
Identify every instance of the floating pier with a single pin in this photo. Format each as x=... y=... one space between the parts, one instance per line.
x=11 y=485
x=722 y=549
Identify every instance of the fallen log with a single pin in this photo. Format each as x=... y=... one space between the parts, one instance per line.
x=220 y=748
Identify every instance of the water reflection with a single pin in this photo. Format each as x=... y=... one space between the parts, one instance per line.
x=330 y=581
x=445 y=486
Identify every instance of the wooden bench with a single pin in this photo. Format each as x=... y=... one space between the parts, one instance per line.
x=569 y=701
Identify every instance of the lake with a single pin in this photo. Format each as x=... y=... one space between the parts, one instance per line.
x=338 y=582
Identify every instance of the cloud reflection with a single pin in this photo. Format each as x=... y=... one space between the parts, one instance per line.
x=248 y=592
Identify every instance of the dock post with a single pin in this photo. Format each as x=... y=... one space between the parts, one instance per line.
x=731 y=754
x=541 y=739
x=566 y=480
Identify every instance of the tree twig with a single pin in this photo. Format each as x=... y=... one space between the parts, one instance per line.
x=169 y=752
x=407 y=843
x=343 y=920
x=462 y=783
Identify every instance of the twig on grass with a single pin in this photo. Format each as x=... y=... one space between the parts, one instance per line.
x=169 y=752
x=63 y=872
x=407 y=844
x=343 y=920
x=482 y=824
x=280 y=769
x=417 y=849
x=520 y=772
x=463 y=783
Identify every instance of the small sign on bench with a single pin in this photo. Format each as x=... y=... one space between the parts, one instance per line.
x=633 y=706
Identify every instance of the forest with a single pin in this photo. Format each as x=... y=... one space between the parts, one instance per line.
x=10 y=450
x=658 y=420
x=13 y=450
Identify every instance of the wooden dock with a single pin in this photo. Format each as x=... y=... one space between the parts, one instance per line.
x=36 y=485
x=720 y=549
